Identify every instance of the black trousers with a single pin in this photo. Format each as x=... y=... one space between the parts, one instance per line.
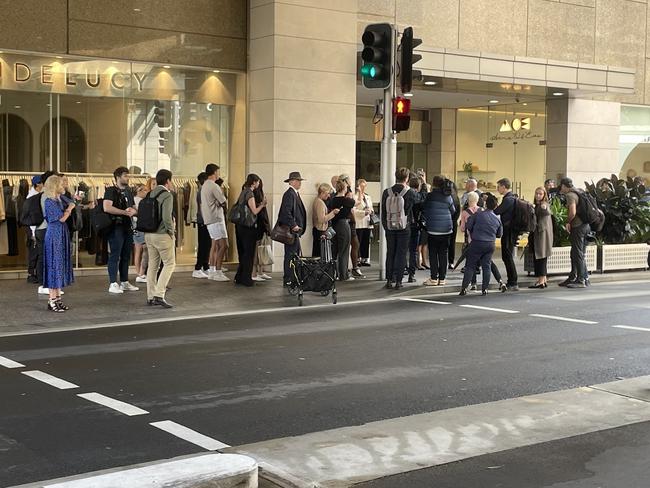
x=452 y=242
x=508 y=244
x=246 y=247
x=364 y=243
x=289 y=251
x=578 y=238
x=32 y=255
x=12 y=236
x=479 y=252
x=414 y=242
x=315 y=247
x=540 y=267
x=40 y=239
x=203 y=251
x=343 y=240
x=439 y=255
x=397 y=243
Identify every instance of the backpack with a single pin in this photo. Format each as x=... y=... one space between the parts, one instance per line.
x=588 y=211
x=523 y=219
x=396 y=218
x=149 y=217
x=32 y=213
x=102 y=221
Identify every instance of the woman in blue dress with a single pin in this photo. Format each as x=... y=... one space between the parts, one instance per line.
x=57 y=259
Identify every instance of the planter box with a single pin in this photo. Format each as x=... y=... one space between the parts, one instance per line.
x=560 y=260
x=623 y=257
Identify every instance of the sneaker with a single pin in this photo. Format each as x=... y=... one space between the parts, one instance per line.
x=224 y=269
x=566 y=282
x=265 y=276
x=431 y=282
x=389 y=285
x=411 y=279
x=503 y=287
x=219 y=276
x=349 y=278
x=161 y=302
x=577 y=284
x=258 y=278
x=398 y=285
x=473 y=288
x=141 y=279
x=513 y=287
x=126 y=286
x=43 y=291
x=484 y=292
x=442 y=282
x=357 y=273
x=115 y=288
x=463 y=292
x=200 y=274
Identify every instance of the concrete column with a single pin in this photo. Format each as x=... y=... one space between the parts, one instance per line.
x=302 y=96
x=582 y=139
x=442 y=150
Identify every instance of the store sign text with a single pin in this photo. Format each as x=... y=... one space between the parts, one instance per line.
x=517 y=128
x=45 y=75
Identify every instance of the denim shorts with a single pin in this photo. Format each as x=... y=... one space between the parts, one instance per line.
x=138 y=237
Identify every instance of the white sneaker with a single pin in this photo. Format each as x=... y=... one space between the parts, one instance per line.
x=349 y=278
x=126 y=286
x=258 y=278
x=44 y=291
x=224 y=269
x=219 y=276
x=141 y=279
x=200 y=274
x=115 y=288
x=265 y=276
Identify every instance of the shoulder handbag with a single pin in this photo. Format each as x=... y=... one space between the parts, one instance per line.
x=282 y=233
x=265 y=251
x=241 y=214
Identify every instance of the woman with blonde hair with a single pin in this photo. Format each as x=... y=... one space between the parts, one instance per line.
x=57 y=256
x=542 y=239
x=363 y=209
x=341 y=224
x=321 y=218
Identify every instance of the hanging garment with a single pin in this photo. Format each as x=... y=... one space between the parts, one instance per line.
x=4 y=240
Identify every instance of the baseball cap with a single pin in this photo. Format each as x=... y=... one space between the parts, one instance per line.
x=36 y=180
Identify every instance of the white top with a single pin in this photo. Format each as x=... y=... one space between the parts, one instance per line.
x=361 y=204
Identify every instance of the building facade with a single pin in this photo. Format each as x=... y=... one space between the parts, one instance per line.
x=528 y=90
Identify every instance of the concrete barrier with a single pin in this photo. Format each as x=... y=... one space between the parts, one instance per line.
x=210 y=470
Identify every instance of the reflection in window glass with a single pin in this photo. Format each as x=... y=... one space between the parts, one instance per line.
x=634 y=142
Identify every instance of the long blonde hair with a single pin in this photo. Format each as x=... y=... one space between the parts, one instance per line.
x=53 y=187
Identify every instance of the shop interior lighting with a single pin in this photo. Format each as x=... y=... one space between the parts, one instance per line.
x=166 y=66
x=494 y=101
x=558 y=94
x=137 y=10
x=215 y=71
x=430 y=83
x=17 y=106
x=408 y=94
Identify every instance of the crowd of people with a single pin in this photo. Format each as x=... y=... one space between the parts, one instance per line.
x=420 y=221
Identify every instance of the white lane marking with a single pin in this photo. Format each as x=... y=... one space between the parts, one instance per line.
x=122 y=407
x=563 y=319
x=629 y=327
x=190 y=435
x=582 y=297
x=9 y=363
x=489 y=309
x=50 y=380
x=422 y=300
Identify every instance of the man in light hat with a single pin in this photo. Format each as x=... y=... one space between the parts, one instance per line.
x=292 y=214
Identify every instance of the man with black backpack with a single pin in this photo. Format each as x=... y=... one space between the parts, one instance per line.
x=578 y=228
x=506 y=210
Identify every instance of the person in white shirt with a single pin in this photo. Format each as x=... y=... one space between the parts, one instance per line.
x=213 y=202
x=362 y=211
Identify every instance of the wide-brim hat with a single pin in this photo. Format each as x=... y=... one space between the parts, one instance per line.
x=294 y=175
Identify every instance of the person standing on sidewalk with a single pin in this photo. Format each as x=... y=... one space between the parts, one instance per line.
x=32 y=252
x=341 y=225
x=161 y=245
x=321 y=217
x=415 y=230
x=542 y=238
x=484 y=227
x=263 y=229
x=451 y=256
x=202 y=265
x=213 y=202
x=439 y=211
x=247 y=235
x=396 y=216
x=578 y=230
x=119 y=203
x=362 y=213
x=138 y=239
x=506 y=210
x=293 y=215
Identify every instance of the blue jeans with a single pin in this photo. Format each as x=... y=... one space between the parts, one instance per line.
x=120 y=243
x=479 y=252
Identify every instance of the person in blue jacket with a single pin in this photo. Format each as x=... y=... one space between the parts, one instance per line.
x=438 y=210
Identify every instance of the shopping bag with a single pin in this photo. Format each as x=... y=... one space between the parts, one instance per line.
x=265 y=251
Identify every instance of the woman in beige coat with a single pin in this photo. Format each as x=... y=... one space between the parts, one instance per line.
x=542 y=238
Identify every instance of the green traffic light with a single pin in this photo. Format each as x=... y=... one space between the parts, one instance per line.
x=369 y=70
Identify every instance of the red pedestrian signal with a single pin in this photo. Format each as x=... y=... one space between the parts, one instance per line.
x=401 y=114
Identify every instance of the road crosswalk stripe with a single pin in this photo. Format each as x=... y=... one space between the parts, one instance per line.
x=422 y=300
x=490 y=309
x=563 y=319
x=10 y=363
x=50 y=380
x=189 y=435
x=119 y=406
x=630 y=327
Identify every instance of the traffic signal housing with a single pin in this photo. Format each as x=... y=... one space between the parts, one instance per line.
x=377 y=56
x=408 y=59
x=401 y=114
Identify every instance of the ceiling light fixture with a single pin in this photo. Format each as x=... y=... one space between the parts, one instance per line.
x=166 y=66
x=407 y=94
x=558 y=94
x=430 y=83
x=137 y=10
x=216 y=71
x=494 y=101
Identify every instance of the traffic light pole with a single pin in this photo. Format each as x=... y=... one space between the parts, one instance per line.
x=388 y=153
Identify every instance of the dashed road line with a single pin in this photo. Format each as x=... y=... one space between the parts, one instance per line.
x=189 y=435
x=563 y=319
x=422 y=300
x=630 y=327
x=490 y=309
x=122 y=407
x=10 y=363
x=50 y=380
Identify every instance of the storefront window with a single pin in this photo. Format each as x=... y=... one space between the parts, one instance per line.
x=634 y=152
x=84 y=118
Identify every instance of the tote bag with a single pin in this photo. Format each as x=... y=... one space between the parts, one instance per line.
x=265 y=251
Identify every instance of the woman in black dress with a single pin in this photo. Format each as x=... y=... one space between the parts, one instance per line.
x=341 y=224
x=247 y=235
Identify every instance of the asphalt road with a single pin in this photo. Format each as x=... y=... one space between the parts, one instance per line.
x=245 y=379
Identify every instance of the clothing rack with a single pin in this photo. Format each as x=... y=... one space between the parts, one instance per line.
x=95 y=179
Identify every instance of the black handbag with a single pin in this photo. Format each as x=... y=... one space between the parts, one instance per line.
x=241 y=214
x=374 y=219
x=282 y=233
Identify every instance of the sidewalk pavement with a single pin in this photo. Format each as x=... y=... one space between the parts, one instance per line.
x=22 y=311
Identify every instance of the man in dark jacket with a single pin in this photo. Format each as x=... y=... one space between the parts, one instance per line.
x=397 y=236
x=509 y=239
x=292 y=214
x=439 y=211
